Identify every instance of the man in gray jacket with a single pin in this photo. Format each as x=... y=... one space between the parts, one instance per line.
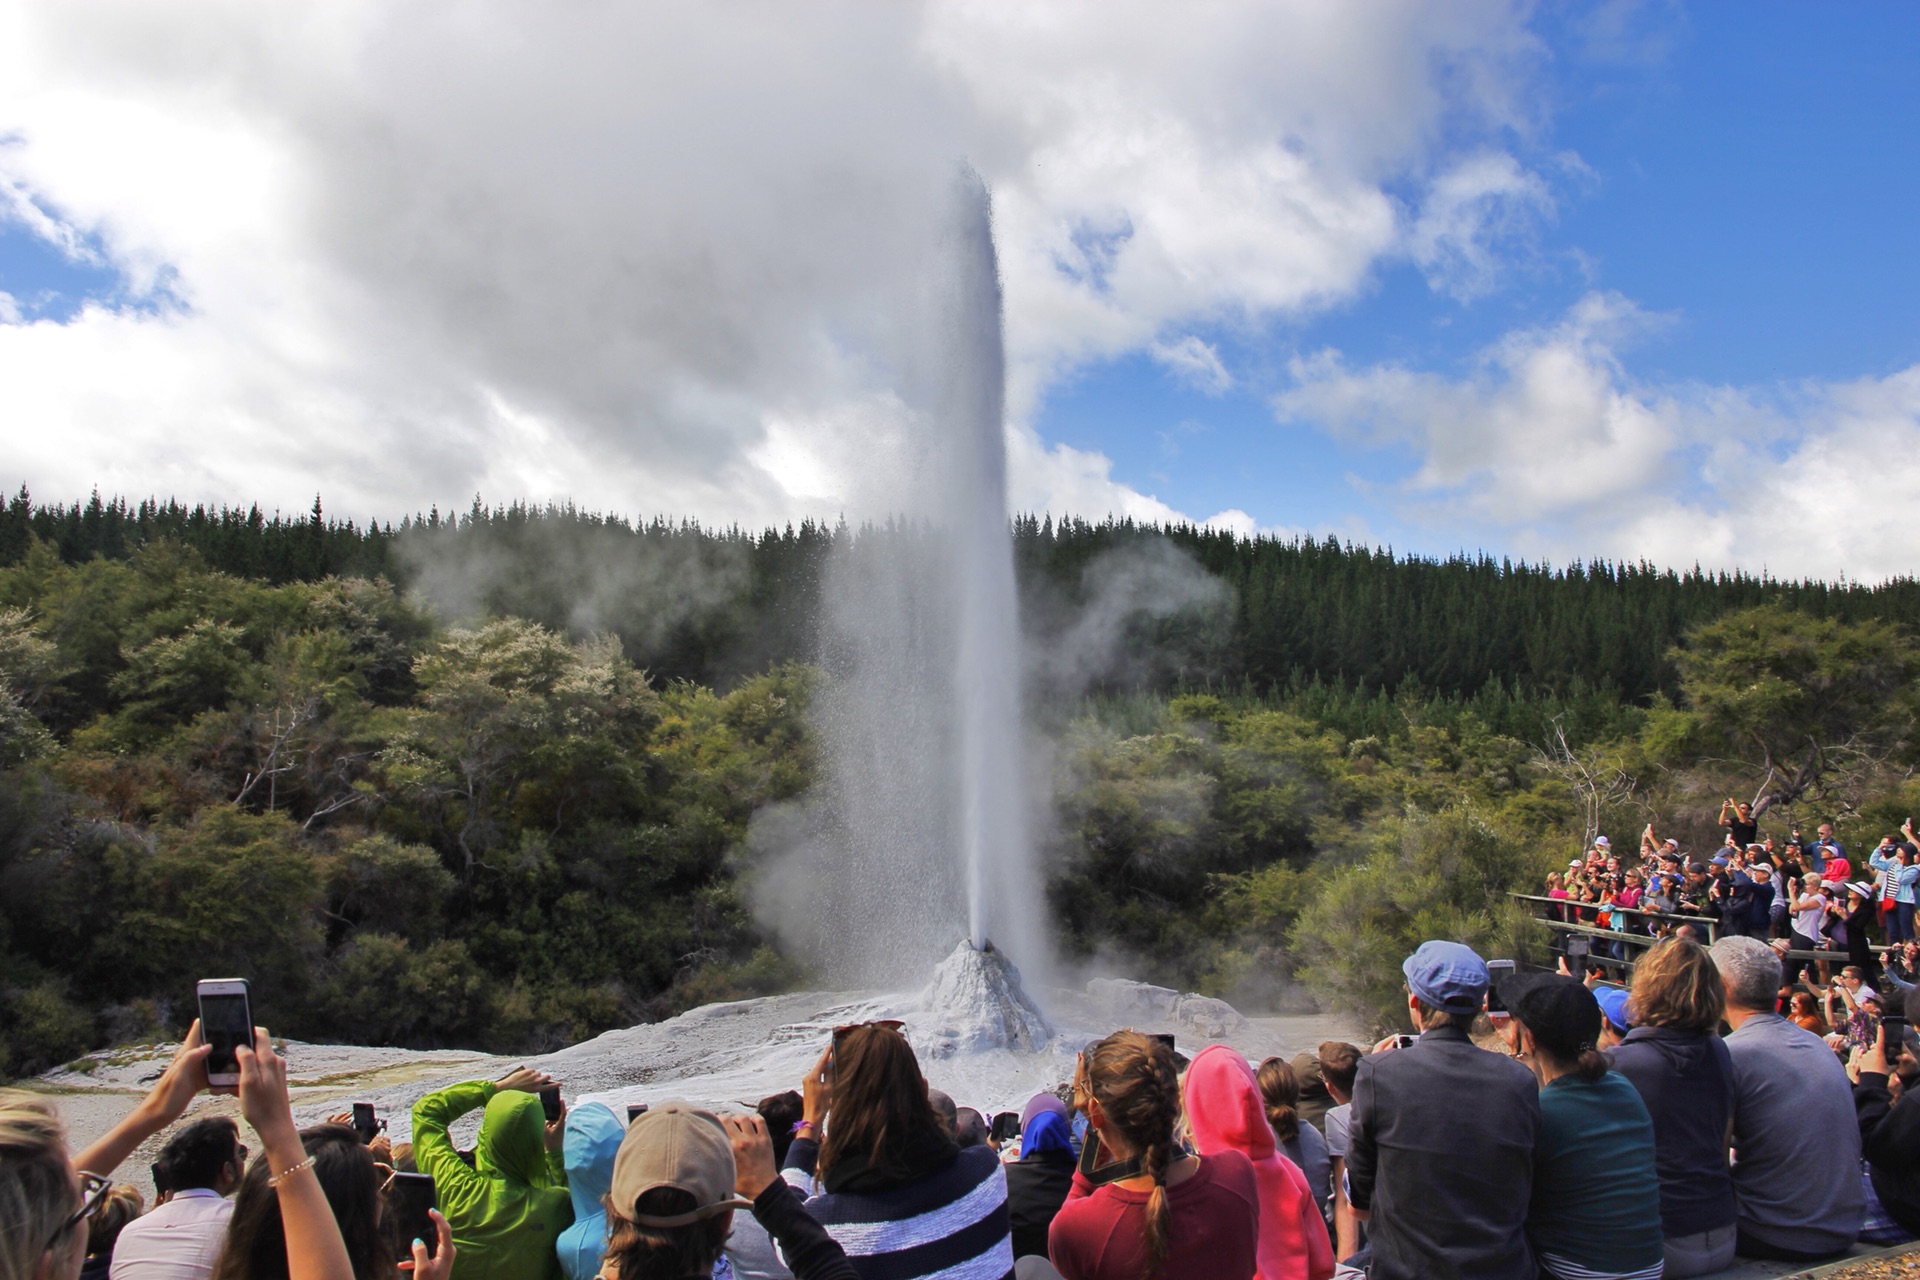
x=1796 y=1143
x=1440 y=1155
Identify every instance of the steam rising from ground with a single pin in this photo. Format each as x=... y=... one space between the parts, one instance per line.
x=917 y=835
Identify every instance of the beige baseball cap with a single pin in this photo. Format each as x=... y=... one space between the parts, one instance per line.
x=676 y=1144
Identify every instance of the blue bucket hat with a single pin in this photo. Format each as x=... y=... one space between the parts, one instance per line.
x=1447 y=976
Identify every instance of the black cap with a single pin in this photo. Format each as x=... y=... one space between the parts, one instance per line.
x=1560 y=1012
x=1697 y=868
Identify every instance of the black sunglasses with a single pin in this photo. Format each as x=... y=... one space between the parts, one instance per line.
x=93 y=1193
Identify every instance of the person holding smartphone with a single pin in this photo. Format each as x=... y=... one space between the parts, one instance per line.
x=1889 y=1121
x=507 y=1211
x=52 y=1197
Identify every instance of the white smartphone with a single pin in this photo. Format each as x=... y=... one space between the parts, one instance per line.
x=226 y=1023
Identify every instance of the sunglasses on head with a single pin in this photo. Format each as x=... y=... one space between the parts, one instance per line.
x=842 y=1032
x=93 y=1193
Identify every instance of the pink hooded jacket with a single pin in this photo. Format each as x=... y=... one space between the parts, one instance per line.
x=1225 y=1110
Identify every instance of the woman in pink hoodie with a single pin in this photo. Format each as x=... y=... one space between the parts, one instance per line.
x=1225 y=1112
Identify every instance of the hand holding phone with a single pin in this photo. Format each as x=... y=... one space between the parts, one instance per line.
x=410 y=1204
x=1497 y=972
x=366 y=1123
x=226 y=1023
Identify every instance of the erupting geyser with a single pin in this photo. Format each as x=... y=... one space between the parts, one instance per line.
x=917 y=834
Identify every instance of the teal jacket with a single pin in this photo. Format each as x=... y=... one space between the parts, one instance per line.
x=507 y=1211
x=594 y=1135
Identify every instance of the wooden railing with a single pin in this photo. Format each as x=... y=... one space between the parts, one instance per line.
x=1550 y=910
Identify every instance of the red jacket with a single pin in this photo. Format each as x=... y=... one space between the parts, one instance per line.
x=1225 y=1112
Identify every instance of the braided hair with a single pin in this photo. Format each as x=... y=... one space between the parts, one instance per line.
x=1133 y=1078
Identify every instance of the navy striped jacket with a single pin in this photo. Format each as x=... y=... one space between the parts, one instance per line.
x=950 y=1225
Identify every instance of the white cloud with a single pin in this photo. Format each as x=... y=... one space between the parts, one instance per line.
x=1473 y=212
x=1193 y=362
x=1551 y=441
x=654 y=259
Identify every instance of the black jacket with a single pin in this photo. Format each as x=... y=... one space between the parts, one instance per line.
x=1890 y=1140
x=1686 y=1080
x=1036 y=1188
x=1441 y=1154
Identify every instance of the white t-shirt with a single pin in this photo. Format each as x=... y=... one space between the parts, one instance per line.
x=1807 y=923
x=180 y=1240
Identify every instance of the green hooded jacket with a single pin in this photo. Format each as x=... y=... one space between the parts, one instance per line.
x=508 y=1210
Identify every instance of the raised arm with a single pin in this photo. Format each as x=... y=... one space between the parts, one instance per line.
x=810 y=1253
x=185 y=1076
x=315 y=1250
x=455 y=1185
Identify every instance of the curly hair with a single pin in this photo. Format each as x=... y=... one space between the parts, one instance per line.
x=1133 y=1078
x=1676 y=984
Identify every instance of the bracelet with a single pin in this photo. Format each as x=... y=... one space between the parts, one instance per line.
x=288 y=1172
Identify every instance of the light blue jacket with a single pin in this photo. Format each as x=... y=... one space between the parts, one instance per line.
x=593 y=1139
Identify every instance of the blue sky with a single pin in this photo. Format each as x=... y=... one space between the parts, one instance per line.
x=1750 y=173
x=1624 y=278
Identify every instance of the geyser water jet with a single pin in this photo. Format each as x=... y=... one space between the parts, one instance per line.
x=917 y=836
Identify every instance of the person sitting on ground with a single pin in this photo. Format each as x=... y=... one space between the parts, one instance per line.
x=1889 y=1124
x=749 y=1248
x=123 y=1204
x=1302 y=1144
x=1795 y=1175
x=47 y=1199
x=681 y=1174
x=1038 y=1182
x=1440 y=1157
x=591 y=1140
x=1181 y=1217
x=1595 y=1207
x=1685 y=1077
x=887 y=1158
x=256 y=1245
x=1227 y=1112
x=509 y=1208
x=201 y=1164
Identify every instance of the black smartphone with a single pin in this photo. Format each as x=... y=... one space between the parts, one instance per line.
x=1166 y=1038
x=550 y=1102
x=635 y=1111
x=1498 y=971
x=226 y=1023
x=409 y=1196
x=366 y=1123
x=1006 y=1126
x=1894 y=1033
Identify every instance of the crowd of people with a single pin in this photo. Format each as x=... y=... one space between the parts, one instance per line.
x=1550 y=1126
x=1806 y=893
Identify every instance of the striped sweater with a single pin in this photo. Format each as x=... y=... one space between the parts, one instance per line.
x=950 y=1225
